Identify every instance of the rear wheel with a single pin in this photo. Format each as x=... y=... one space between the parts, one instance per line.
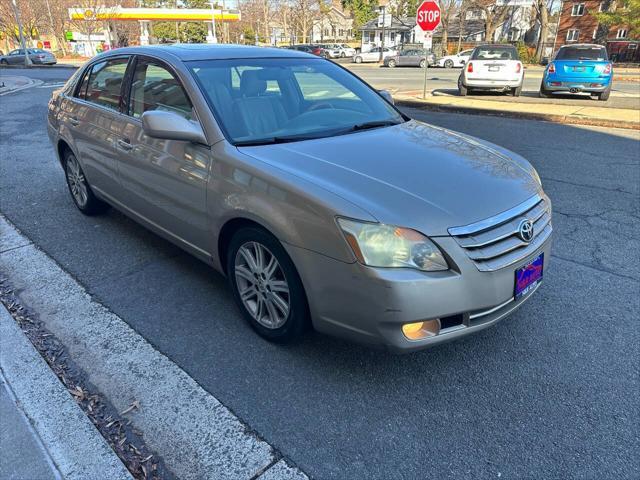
x=516 y=91
x=462 y=89
x=358 y=59
x=4 y=62
x=604 y=96
x=266 y=285
x=79 y=188
x=423 y=63
x=544 y=93
x=342 y=54
x=448 y=63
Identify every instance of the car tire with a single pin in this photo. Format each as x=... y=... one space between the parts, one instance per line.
x=543 y=93
x=343 y=55
x=358 y=59
x=604 y=96
x=423 y=63
x=462 y=88
x=4 y=62
x=79 y=188
x=448 y=64
x=265 y=313
x=516 y=91
x=391 y=63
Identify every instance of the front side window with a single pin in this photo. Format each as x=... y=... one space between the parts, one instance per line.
x=577 y=10
x=155 y=88
x=104 y=84
x=259 y=101
x=495 y=53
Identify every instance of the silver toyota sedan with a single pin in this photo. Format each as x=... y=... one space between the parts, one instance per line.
x=322 y=204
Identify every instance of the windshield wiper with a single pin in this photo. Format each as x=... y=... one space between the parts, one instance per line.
x=276 y=139
x=374 y=124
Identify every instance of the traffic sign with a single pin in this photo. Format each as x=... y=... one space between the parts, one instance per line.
x=428 y=15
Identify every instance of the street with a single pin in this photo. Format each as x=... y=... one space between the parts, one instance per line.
x=550 y=392
x=443 y=81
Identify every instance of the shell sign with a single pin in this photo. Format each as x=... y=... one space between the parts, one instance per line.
x=160 y=14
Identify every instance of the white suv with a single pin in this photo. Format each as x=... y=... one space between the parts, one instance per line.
x=492 y=67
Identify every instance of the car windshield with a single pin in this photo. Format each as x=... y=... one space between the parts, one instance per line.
x=582 y=53
x=495 y=53
x=260 y=101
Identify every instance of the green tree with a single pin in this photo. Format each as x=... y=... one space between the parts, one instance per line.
x=362 y=11
x=627 y=16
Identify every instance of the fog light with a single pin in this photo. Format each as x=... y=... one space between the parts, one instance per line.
x=420 y=330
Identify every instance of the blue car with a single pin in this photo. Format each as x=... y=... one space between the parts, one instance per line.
x=580 y=68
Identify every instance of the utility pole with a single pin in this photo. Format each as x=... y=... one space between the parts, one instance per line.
x=384 y=13
x=213 y=21
x=23 y=45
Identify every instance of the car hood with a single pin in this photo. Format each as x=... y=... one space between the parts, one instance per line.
x=413 y=174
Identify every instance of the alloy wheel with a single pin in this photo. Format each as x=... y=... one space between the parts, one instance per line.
x=77 y=182
x=262 y=285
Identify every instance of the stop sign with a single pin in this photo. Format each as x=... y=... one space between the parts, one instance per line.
x=428 y=16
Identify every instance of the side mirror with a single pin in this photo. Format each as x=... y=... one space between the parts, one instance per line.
x=386 y=94
x=463 y=61
x=171 y=126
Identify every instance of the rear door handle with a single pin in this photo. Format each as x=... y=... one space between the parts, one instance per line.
x=74 y=121
x=124 y=144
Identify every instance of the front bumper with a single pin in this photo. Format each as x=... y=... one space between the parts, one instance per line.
x=370 y=305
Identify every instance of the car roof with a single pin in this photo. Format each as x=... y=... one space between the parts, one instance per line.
x=495 y=45
x=206 y=51
x=589 y=45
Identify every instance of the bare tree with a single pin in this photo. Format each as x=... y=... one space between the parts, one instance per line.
x=542 y=10
x=448 y=10
x=493 y=14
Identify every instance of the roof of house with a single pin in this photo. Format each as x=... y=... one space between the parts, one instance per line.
x=471 y=26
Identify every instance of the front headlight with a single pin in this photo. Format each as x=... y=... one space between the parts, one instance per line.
x=380 y=245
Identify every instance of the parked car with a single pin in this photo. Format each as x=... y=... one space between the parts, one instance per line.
x=321 y=203
x=410 y=58
x=36 y=55
x=492 y=67
x=312 y=49
x=583 y=68
x=345 y=50
x=373 y=55
x=330 y=51
x=458 y=60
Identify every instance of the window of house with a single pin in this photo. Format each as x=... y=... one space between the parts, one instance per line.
x=577 y=10
x=572 y=35
x=622 y=33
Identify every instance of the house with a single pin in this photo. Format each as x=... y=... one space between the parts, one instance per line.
x=336 y=24
x=578 y=24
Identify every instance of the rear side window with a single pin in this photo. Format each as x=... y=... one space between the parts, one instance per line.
x=582 y=53
x=495 y=53
x=104 y=84
x=155 y=88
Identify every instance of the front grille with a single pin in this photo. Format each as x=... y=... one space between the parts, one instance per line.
x=494 y=243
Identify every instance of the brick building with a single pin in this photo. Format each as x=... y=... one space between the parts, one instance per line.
x=578 y=24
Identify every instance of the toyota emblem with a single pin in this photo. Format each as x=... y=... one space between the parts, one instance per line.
x=525 y=230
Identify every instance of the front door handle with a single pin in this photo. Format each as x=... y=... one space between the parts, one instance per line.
x=124 y=144
x=74 y=121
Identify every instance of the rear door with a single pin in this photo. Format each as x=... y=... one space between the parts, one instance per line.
x=94 y=120
x=164 y=181
x=15 y=57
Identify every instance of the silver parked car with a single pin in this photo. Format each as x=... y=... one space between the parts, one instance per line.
x=37 y=56
x=322 y=204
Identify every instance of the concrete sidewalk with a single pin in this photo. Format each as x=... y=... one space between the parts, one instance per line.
x=44 y=434
x=11 y=83
x=570 y=114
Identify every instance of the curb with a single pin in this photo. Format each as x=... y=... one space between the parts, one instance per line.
x=74 y=445
x=565 y=119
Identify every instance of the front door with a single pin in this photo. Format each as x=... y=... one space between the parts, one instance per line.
x=164 y=181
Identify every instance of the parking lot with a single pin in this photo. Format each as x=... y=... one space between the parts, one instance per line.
x=551 y=392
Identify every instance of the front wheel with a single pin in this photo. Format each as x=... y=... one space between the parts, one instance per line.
x=266 y=285
x=448 y=64
x=79 y=188
x=358 y=59
x=391 y=63
x=343 y=55
x=423 y=63
x=4 y=62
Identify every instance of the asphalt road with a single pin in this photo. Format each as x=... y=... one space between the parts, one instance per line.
x=551 y=392
x=444 y=81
